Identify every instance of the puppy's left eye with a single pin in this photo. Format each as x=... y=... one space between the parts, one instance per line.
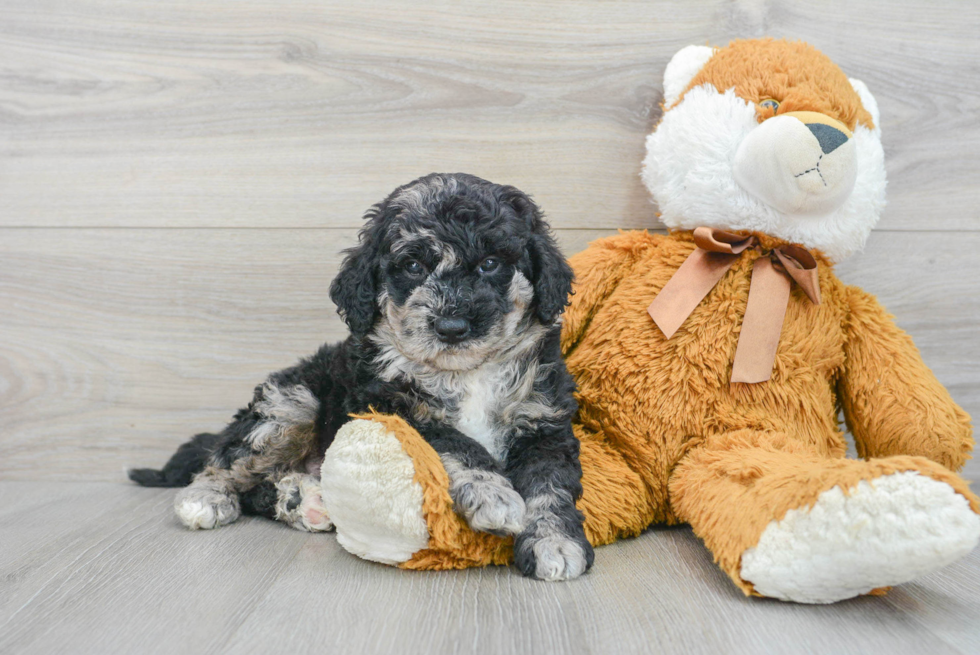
x=489 y=265
x=414 y=267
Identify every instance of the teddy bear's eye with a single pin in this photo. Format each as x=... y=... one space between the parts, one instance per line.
x=769 y=103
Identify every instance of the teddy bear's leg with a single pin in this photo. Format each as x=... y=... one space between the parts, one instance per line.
x=387 y=493
x=617 y=501
x=785 y=521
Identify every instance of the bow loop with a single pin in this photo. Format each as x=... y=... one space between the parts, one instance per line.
x=801 y=265
x=730 y=243
x=773 y=275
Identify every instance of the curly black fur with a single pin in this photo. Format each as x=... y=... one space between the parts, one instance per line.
x=443 y=247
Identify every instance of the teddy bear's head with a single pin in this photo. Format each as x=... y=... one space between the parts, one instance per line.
x=768 y=136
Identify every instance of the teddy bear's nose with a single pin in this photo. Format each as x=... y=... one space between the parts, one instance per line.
x=829 y=138
x=801 y=163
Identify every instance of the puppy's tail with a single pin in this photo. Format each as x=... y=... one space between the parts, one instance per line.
x=189 y=459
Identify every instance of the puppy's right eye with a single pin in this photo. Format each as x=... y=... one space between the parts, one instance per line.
x=414 y=267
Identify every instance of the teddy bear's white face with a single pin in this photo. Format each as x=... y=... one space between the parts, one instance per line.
x=801 y=176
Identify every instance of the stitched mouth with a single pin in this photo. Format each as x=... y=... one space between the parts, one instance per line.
x=815 y=168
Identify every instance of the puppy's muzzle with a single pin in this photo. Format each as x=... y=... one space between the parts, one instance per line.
x=800 y=163
x=451 y=329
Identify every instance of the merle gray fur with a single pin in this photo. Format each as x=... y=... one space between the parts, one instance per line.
x=453 y=297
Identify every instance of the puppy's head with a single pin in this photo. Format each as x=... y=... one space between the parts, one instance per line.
x=452 y=269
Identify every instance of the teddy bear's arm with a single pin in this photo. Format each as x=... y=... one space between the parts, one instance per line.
x=598 y=269
x=892 y=402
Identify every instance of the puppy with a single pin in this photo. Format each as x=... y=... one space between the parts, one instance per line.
x=453 y=298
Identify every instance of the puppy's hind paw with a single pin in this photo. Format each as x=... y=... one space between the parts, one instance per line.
x=300 y=503
x=203 y=507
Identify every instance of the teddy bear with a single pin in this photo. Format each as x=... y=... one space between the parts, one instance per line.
x=713 y=361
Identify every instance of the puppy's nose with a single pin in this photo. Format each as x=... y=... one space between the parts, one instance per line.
x=830 y=138
x=451 y=328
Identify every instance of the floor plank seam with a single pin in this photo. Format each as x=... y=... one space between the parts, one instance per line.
x=267 y=585
x=127 y=527
x=914 y=619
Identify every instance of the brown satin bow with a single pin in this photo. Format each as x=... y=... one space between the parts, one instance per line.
x=769 y=289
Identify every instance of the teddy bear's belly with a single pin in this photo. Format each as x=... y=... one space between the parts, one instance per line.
x=659 y=393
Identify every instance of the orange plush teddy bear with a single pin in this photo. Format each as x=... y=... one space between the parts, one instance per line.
x=712 y=362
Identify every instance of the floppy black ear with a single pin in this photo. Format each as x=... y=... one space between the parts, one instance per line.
x=551 y=275
x=355 y=289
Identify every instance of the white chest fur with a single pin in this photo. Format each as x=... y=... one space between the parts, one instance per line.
x=476 y=413
x=484 y=403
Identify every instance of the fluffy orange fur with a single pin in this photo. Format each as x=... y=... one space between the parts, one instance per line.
x=665 y=436
x=452 y=545
x=795 y=74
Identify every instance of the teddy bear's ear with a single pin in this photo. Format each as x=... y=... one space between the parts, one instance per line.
x=682 y=69
x=869 y=102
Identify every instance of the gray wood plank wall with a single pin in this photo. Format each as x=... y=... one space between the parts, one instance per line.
x=176 y=179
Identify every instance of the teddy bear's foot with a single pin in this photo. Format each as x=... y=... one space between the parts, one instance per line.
x=880 y=533
x=387 y=492
x=370 y=494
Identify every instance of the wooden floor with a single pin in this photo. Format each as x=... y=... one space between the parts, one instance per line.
x=105 y=568
x=176 y=182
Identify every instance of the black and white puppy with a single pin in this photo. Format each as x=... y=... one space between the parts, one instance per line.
x=453 y=298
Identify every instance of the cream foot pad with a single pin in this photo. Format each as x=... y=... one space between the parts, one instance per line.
x=369 y=492
x=886 y=531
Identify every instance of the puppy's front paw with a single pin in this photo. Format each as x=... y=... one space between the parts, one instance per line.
x=490 y=506
x=544 y=552
x=486 y=500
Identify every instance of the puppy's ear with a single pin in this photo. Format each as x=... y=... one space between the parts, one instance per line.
x=551 y=275
x=355 y=289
